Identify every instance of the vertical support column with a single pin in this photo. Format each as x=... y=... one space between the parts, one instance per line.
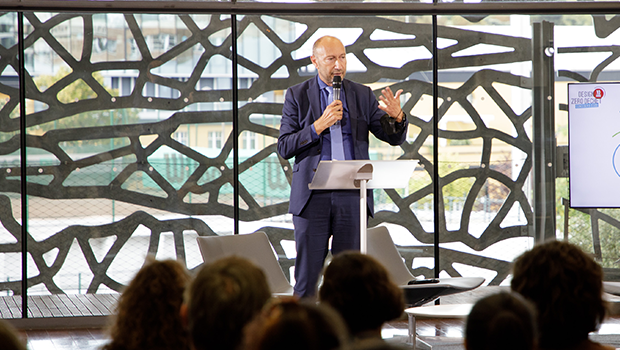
x=23 y=163
x=543 y=116
x=235 y=123
x=436 y=187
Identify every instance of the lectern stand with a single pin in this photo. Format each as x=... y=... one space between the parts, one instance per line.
x=362 y=175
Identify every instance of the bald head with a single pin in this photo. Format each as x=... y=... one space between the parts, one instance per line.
x=329 y=57
x=325 y=40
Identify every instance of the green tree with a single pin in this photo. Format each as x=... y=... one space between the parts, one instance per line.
x=580 y=228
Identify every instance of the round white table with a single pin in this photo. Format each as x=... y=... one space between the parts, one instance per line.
x=435 y=311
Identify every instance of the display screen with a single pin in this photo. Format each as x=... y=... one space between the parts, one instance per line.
x=594 y=144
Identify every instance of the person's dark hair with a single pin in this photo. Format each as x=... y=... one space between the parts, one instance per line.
x=148 y=309
x=224 y=296
x=566 y=286
x=501 y=321
x=290 y=324
x=9 y=338
x=360 y=288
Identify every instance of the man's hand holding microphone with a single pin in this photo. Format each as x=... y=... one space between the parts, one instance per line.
x=333 y=113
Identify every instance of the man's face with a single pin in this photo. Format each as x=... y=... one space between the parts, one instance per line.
x=330 y=58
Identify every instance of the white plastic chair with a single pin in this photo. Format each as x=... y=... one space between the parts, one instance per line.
x=254 y=247
x=381 y=247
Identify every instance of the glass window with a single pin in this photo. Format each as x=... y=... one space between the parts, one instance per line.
x=130 y=136
x=10 y=180
x=124 y=128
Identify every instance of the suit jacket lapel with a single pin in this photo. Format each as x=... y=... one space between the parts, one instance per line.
x=352 y=106
x=315 y=99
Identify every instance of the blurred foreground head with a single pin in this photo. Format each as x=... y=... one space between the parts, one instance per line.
x=566 y=286
x=501 y=321
x=360 y=289
x=148 y=309
x=291 y=324
x=9 y=340
x=222 y=299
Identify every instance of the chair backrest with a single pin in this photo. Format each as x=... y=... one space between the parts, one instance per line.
x=381 y=247
x=254 y=247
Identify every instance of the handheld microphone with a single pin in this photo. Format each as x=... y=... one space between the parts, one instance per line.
x=337 y=85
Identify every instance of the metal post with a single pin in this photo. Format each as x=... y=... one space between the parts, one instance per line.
x=596 y=237
x=363 y=217
x=235 y=124
x=23 y=164
x=437 y=196
x=543 y=116
x=566 y=213
x=412 y=329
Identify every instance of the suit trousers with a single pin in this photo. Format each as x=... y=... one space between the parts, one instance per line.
x=327 y=214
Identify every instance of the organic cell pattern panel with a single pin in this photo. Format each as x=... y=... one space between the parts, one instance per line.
x=162 y=195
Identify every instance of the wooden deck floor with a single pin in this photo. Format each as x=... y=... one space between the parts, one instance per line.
x=59 y=305
x=72 y=305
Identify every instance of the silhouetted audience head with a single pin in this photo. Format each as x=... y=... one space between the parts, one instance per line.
x=9 y=340
x=360 y=289
x=224 y=296
x=148 y=309
x=501 y=321
x=565 y=284
x=291 y=324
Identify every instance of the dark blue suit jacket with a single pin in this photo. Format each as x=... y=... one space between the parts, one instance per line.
x=302 y=106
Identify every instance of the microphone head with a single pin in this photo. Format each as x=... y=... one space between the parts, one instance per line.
x=337 y=82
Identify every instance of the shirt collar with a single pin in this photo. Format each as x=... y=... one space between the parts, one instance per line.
x=322 y=84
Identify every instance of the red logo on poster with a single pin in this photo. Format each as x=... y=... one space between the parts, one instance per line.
x=598 y=93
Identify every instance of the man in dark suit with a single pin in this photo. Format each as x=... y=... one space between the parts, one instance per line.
x=317 y=127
